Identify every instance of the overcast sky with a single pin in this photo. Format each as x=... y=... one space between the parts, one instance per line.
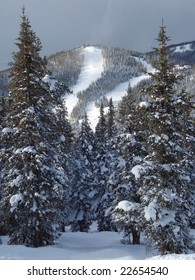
x=65 y=24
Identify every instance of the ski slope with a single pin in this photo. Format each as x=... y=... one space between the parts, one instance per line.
x=90 y=72
x=116 y=94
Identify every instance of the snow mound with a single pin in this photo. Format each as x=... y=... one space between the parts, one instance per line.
x=126 y=205
x=7 y=130
x=136 y=170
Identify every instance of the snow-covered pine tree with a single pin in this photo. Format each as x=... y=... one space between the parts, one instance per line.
x=110 y=124
x=125 y=112
x=126 y=206
x=61 y=141
x=100 y=130
x=130 y=144
x=105 y=176
x=32 y=178
x=165 y=176
x=82 y=183
x=102 y=167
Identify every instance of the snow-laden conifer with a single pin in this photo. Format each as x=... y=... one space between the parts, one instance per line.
x=33 y=179
x=165 y=175
x=82 y=179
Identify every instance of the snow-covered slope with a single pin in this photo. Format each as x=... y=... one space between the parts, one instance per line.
x=116 y=94
x=90 y=72
x=93 y=67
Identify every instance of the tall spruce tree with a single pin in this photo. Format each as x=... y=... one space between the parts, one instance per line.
x=32 y=178
x=100 y=130
x=165 y=176
x=82 y=183
x=60 y=137
x=111 y=128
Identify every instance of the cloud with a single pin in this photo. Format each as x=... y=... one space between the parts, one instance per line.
x=65 y=24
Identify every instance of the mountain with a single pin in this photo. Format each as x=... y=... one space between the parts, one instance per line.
x=97 y=73
x=182 y=54
x=105 y=73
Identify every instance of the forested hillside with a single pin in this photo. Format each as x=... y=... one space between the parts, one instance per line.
x=66 y=65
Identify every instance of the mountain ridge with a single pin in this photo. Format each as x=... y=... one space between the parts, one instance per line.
x=119 y=68
x=181 y=53
x=134 y=52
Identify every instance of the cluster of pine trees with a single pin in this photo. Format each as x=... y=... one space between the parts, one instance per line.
x=134 y=174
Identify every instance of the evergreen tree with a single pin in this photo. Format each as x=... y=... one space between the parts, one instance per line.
x=165 y=176
x=61 y=142
x=125 y=111
x=100 y=130
x=130 y=144
x=111 y=128
x=32 y=178
x=81 y=213
x=102 y=169
x=106 y=170
x=125 y=188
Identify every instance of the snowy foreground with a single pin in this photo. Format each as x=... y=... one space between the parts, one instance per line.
x=84 y=246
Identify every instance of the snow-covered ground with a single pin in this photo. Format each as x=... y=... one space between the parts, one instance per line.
x=77 y=246
x=90 y=72
x=84 y=246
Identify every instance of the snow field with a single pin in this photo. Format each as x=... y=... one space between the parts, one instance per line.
x=77 y=246
x=85 y=246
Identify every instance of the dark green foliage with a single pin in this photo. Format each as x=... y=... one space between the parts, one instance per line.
x=111 y=127
x=100 y=130
x=128 y=221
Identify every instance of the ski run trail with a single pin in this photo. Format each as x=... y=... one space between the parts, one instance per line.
x=91 y=71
